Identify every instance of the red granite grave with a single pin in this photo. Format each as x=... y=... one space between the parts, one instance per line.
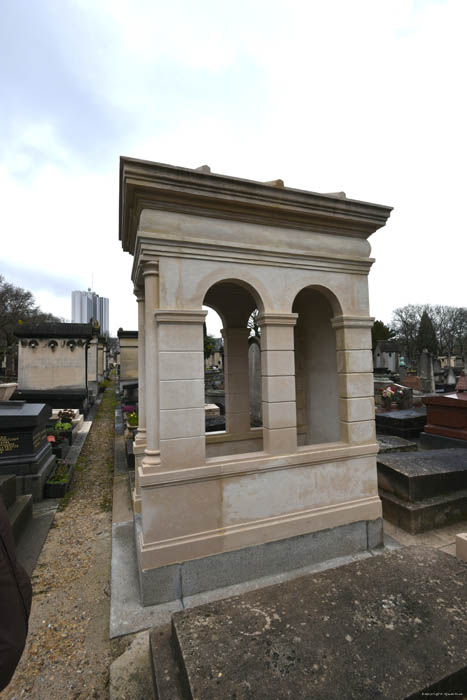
x=447 y=415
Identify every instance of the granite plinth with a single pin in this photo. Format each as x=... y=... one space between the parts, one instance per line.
x=447 y=415
x=406 y=424
x=59 y=398
x=184 y=579
x=423 y=490
x=392 y=626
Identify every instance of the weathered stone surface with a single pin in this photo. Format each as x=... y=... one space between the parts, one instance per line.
x=166 y=672
x=392 y=626
x=428 y=514
x=414 y=476
x=392 y=443
x=423 y=490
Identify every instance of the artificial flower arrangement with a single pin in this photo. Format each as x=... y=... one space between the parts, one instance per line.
x=388 y=393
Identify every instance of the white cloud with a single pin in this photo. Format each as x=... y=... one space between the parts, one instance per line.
x=361 y=96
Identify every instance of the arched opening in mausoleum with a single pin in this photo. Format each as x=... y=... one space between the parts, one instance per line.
x=235 y=301
x=316 y=384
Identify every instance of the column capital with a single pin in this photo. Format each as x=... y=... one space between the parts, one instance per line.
x=180 y=316
x=352 y=322
x=150 y=267
x=276 y=319
x=138 y=291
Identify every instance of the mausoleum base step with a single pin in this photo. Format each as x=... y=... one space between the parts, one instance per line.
x=391 y=626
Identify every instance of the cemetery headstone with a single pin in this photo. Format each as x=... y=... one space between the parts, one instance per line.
x=24 y=448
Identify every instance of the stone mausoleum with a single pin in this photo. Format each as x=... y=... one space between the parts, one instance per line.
x=57 y=364
x=212 y=510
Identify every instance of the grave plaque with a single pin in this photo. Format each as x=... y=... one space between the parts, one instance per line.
x=24 y=449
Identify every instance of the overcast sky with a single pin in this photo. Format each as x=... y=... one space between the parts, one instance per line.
x=365 y=96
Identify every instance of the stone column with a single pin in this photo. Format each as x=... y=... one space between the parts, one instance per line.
x=139 y=444
x=141 y=434
x=278 y=383
x=151 y=457
x=236 y=380
x=355 y=378
x=181 y=374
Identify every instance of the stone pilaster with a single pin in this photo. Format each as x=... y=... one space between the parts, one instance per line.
x=355 y=378
x=181 y=387
x=278 y=383
x=151 y=294
x=236 y=380
x=141 y=433
x=139 y=444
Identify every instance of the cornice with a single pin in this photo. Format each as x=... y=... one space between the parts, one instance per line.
x=224 y=253
x=180 y=316
x=352 y=322
x=146 y=185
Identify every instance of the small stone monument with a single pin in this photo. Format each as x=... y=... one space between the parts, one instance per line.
x=24 y=449
x=426 y=372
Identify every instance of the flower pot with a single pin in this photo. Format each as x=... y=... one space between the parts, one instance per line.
x=57 y=489
x=387 y=404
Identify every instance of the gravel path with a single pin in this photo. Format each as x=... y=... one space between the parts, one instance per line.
x=68 y=651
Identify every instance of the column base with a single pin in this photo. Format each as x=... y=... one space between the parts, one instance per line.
x=151 y=460
x=136 y=501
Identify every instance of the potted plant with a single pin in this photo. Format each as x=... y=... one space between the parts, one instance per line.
x=64 y=430
x=132 y=423
x=57 y=484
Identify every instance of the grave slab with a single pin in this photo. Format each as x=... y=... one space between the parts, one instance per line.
x=389 y=444
x=423 y=490
x=392 y=626
x=405 y=424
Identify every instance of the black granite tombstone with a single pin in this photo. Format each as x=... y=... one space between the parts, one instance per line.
x=24 y=448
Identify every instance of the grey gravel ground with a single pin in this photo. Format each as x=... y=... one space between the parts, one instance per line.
x=68 y=652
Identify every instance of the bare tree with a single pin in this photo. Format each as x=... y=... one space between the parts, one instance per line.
x=16 y=305
x=405 y=324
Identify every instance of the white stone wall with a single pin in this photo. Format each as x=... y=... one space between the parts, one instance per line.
x=43 y=368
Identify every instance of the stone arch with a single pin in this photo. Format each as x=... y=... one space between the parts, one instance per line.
x=316 y=379
x=235 y=300
x=210 y=287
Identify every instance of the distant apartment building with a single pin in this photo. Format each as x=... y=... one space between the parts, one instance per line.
x=89 y=305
